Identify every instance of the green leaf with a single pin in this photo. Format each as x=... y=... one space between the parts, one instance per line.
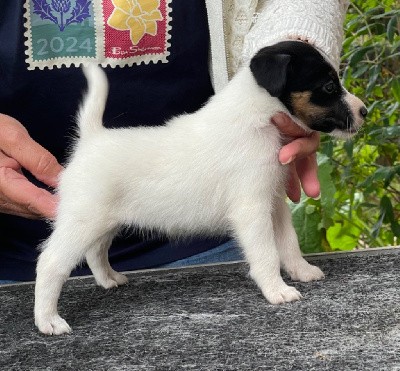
x=395 y=88
x=374 y=74
x=392 y=28
x=327 y=146
x=358 y=55
x=310 y=209
x=384 y=133
x=306 y=224
x=374 y=8
x=343 y=236
x=392 y=108
x=368 y=153
x=377 y=91
x=377 y=227
x=387 y=14
x=348 y=41
x=386 y=216
x=386 y=209
x=328 y=189
x=360 y=71
x=384 y=173
x=348 y=147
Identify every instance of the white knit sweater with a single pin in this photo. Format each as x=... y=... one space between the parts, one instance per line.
x=240 y=28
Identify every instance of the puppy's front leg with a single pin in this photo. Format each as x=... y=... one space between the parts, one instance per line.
x=288 y=247
x=253 y=226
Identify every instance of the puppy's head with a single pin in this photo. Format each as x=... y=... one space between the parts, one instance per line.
x=309 y=87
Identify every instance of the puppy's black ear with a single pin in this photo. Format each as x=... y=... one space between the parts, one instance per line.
x=270 y=71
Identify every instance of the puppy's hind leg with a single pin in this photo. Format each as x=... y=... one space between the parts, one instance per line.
x=288 y=247
x=64 y=249
x=97 y=259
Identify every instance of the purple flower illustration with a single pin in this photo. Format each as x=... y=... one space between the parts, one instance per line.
x=58 y=11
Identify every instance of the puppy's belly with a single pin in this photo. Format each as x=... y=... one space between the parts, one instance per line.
x=176 y=211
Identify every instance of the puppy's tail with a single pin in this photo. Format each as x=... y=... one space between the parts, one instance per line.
x=90 y=115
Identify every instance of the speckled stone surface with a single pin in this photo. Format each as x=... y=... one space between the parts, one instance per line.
x=215 y=318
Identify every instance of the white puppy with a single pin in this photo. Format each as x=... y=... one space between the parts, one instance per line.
x=210 y=172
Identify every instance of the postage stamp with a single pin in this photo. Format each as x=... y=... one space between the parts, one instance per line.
x=108 y=32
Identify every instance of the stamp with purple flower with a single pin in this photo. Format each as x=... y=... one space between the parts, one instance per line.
x=109 y=32
x=60 y=31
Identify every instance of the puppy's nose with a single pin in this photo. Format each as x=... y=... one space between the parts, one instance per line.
x=363 y=112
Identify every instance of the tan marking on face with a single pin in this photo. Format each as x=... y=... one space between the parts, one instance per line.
x=304 y=109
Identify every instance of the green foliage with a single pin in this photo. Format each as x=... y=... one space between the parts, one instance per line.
x=360 y=178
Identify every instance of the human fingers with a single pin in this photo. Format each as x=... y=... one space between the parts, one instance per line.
x=299 y=148
x=293 y=190
x=300 y=155
x=6 y=161
x=288 y=127
x=7 y=207
x=16 y=143
x=307 y=171
x=11 y=204
x=20 y=197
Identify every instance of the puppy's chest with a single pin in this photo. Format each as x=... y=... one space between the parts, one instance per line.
x=255 y=152
x=253 y=169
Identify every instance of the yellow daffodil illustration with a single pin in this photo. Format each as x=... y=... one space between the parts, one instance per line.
x=138 y=16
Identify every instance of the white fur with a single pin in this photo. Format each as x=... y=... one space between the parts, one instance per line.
x=210 y=172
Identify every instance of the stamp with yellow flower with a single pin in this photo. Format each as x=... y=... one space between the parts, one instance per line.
x=136 y=30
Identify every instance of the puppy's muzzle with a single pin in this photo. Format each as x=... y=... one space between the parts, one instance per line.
x=358 y=112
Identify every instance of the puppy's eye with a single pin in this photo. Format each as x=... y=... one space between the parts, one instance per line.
x=329 y=87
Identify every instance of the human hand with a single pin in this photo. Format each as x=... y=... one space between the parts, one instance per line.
x=300 y=155
x=18 y=196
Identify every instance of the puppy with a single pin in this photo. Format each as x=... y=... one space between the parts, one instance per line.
x=210 y=172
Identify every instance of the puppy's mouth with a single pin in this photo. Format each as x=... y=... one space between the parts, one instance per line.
x=348 y=126
x=352 y=130
x=345 y=129
x=329 y=124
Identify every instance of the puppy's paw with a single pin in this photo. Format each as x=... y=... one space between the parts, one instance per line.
x=119 y=278
x=281 y=293
x=305 y=272
x=112 y=279
x=52 y=325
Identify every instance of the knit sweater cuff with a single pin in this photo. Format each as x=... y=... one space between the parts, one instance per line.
x=318 y=22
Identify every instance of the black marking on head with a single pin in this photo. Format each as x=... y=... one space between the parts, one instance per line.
x=309 y=87
x=270 y=71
